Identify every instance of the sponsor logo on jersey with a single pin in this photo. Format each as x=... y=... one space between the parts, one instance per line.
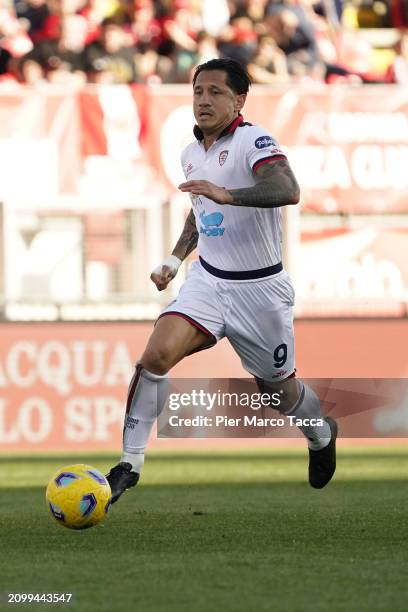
x=223 y=157
x=265 y=141
x=210 y=224
x=189 y=167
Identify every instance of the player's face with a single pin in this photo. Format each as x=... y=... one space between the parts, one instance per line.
x=215 y=104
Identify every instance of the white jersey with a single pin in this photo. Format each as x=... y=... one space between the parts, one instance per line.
x=234 y=238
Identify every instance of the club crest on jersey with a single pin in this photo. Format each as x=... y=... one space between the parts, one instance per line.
x=265 y=141
x=222 y=158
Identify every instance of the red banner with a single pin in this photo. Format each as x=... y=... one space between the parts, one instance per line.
x=39 y=144
x=348 y=146
x=63 y=386
x=118 y=147
x=353 y=272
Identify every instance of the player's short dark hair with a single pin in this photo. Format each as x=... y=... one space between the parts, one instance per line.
x=237 y=77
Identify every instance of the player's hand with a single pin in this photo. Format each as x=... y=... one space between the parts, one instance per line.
x=209 y=190
x=165 y=272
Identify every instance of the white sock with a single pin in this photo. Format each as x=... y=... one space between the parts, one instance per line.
x=147 y=396
x=308 y=407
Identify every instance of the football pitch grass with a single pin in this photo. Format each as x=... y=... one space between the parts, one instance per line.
x=209 y=532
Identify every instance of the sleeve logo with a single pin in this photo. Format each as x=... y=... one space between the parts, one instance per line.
x=265 y=141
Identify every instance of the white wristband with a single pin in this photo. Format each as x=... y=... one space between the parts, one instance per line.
x=172 y=262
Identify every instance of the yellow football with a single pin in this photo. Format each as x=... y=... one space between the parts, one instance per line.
x=78 y=496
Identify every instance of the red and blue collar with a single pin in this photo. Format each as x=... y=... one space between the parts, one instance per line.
x=230 y=129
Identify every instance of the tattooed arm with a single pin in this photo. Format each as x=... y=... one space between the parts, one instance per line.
x=277 y=187
x=164 y=273
x=188 y=239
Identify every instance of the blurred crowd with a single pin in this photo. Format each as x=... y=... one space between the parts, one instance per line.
x=160 y=41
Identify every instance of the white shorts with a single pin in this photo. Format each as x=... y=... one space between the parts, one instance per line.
x=255 y=315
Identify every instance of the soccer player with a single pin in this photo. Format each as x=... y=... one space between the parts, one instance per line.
x=238 y=178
